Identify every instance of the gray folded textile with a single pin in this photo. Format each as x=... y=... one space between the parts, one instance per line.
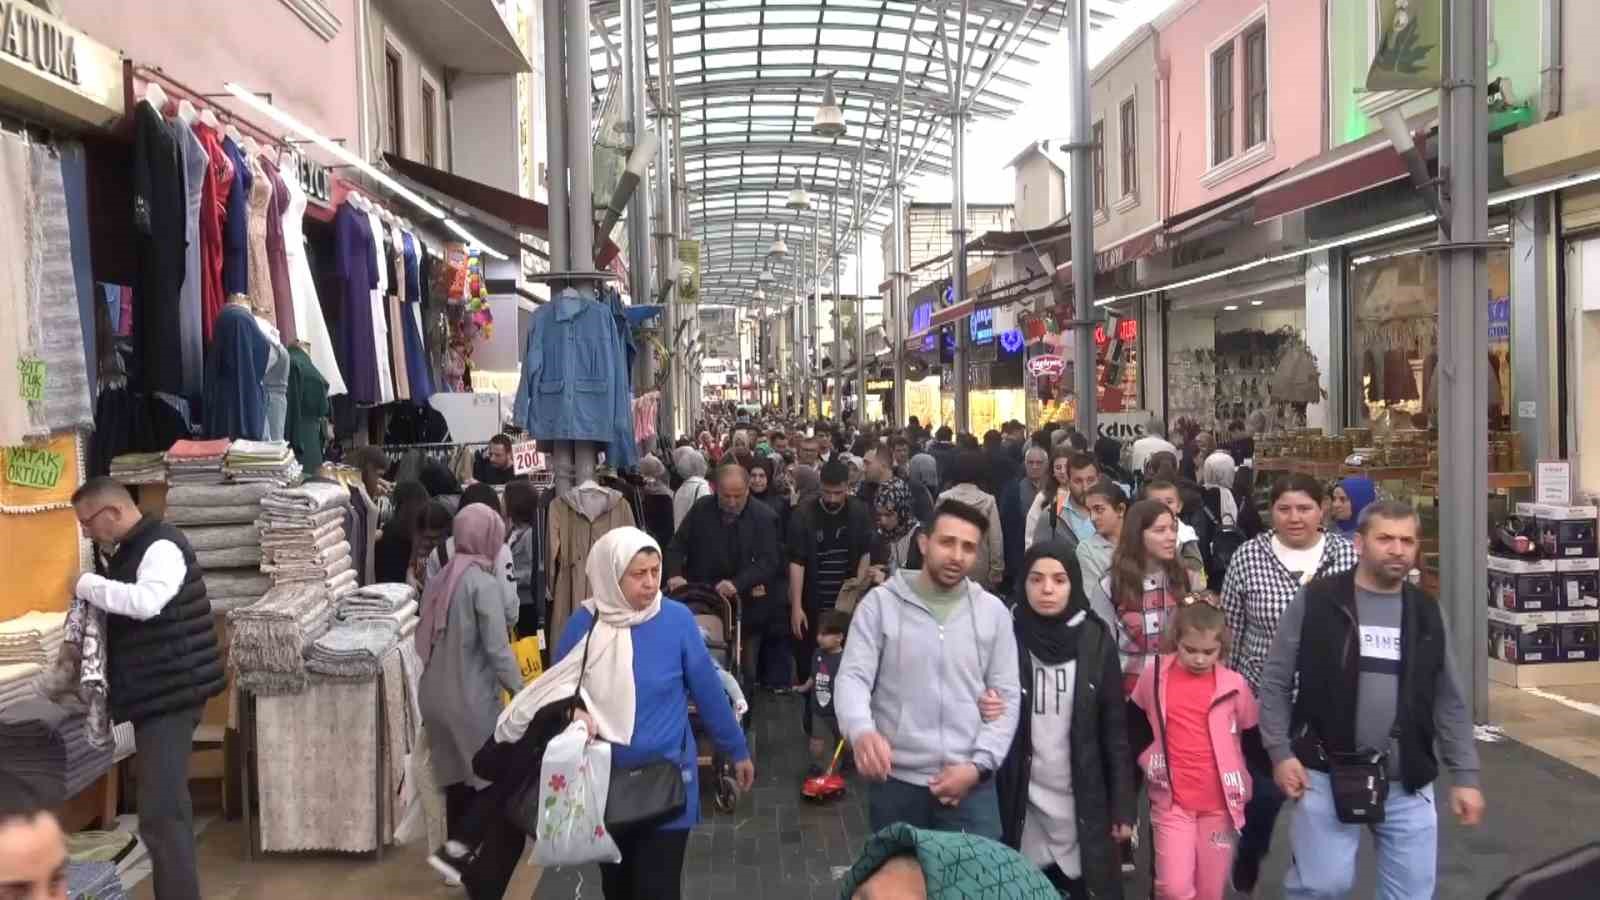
x=216 y=494
x=270 y=637
x=229 y=557
x=325 y=536
x=251 y=582
x=182 y=516
x=310 y=557
x=352 y=651
x=361 y=614
x=280 y=521
x=222 y=537
x=224 y=603
x=312 y=497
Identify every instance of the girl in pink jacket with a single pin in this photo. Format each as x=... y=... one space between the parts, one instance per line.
x=1194 y=766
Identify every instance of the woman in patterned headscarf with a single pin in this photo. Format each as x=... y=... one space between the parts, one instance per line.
x=896 y=524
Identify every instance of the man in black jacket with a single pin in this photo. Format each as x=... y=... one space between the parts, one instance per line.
x=731 y=544
x=1372 y=659
x=162 y=665
x=830 y=541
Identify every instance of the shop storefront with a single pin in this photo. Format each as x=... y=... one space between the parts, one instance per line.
x=1238 y=354
x=995 y=382
x=1049 y=366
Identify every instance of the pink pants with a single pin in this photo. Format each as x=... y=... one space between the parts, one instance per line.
x=1193 y=853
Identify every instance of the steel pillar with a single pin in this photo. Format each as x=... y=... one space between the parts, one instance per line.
x=838 y=316
x=1464 y=344
x=633 y=66
x=861 y=301
x=1084 y=357
x=899 y=287
x=675 y=401
x=958 y=217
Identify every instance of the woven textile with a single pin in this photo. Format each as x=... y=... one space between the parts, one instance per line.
x=217 y=494
x=316 y=754
x=221 y=537
x=78 y=673
x=352 y=651
x=54 y=335
x=237 y=583
x=189 y=450
x=306 y=499
x=33 y=637
x=228 y=557
x=270 y=637
x=186 y=516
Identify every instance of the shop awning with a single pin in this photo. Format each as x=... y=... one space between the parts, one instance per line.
x=1223 y=212
x=1346 y=170
x=516 y=211
x=998 y=242
x=1134 y=246
x=468 y=35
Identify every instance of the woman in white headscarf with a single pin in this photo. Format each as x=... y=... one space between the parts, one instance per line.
x=1216 y=475
x=691 y=466
x=646 y=661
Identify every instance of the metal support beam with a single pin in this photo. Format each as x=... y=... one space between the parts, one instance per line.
x=838 y=317
x=633 y=66
x=1082 y=221
x=674 y=402
x=958 y=214
x=1464 y=346
x=861 y=307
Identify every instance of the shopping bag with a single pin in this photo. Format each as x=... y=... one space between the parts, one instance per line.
x=528 y=660
x=573 y=782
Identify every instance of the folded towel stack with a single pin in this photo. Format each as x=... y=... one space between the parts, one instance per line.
x=139 y=468
x=219 y=521
x=352 y=651
x=271 y=636
x=265 y=461
x=376 y=601
x=45 y=746
x=32 y=637
x=196 y=462
x=303 y=539
x=17 y=683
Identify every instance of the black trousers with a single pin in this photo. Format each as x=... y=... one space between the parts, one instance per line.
x=651 y=867
x=474 y=818
x=166 y=814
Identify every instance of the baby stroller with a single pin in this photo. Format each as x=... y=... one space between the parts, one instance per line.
x=719 y=623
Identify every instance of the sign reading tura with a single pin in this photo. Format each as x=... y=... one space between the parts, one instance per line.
x=29 y=36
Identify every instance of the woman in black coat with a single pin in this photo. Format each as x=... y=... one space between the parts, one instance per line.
x=1066 y=810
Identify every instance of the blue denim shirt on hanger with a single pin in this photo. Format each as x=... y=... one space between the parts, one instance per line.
x=575 y=385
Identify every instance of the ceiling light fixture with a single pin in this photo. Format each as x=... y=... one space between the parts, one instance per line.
x=829 y=120
x=1257 y=302
x=798 y=198
x=1231 y=307
x=778 y=248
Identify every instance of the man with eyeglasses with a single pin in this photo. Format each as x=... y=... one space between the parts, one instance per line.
x=162 y=664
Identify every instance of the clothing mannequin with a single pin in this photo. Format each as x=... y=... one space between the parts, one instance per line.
x=187 y=113
x=155 y=96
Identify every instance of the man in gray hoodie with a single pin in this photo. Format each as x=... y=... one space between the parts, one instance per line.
x=923 y=649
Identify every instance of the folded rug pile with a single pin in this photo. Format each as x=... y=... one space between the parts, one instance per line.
x=270 y=637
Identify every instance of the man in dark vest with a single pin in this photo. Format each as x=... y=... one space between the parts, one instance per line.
x=1375 y=674
x=162 y=664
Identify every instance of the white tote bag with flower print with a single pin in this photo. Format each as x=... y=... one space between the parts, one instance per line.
x=573 y=781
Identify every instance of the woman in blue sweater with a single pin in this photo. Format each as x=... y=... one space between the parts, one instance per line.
x=644 y=692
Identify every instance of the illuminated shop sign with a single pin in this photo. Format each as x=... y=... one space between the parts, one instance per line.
x=1127 y=332
x=981 y=326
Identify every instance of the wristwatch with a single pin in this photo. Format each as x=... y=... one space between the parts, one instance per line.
x=984 y=773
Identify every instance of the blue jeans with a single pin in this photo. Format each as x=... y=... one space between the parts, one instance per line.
x=1324 y=862
x=898 y=801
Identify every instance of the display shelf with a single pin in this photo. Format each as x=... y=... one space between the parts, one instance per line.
x=1429 y=478
x=1555 y=674
x=1498 y=481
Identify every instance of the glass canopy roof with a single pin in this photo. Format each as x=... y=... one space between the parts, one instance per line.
x=750 y=75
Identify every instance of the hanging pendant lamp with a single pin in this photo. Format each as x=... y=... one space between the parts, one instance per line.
x=829 y=119
x=798 y=198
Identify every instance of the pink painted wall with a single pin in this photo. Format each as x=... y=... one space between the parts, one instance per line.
x=1295 y=93
x=261 y=44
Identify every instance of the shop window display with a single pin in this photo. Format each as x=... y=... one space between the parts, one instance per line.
x=1049 y=394
x=1227 y=364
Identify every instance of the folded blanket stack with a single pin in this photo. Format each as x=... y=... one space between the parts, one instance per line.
x=268 y=461
x=32 y=637
x=94 y=881
x=44 y=745
x=271 y=636
x=353 y=651
x=303 y=538
x=376 y=601
x=139 y=468
x=17 y=683
x=220 y=522
x=196 y=462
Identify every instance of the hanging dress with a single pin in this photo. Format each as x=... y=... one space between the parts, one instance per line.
x=275 y=381
x=380 y=327
x=310 y=326
x=396 y=304
x=236 y=224
x=277 y=258
x=411 y=314
x=213 y=210
x=354 y=262
x=261 y=298
x=191 y=305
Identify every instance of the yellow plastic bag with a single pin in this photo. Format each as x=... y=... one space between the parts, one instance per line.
x=528 y=660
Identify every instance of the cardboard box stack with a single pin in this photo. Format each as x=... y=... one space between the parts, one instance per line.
x=1545 y=608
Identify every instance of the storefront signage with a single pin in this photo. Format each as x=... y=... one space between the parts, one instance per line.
x=30 y=379
x=34 y=467
x=316 y=180
x=1011 y=341
x=881 y=385
x=921 y=317
x=1047 y=366
x=1124 y=426
x=981 y=326
x=1500 y=320
x=525 y=457
x=1407 y=55
x=1552 y=482
x=56 y=68
x=1127 y=251
x=1127 y=331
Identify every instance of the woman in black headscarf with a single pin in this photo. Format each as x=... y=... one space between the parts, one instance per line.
x=1066 y=786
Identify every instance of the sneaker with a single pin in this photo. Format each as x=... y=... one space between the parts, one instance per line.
x=1246 y=872
x=449 y=860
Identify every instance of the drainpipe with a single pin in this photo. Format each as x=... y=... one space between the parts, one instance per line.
x=1550 y=65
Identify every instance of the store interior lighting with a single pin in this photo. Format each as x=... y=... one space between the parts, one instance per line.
x=798 y=198
x=779 y=248
x=250 y=99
